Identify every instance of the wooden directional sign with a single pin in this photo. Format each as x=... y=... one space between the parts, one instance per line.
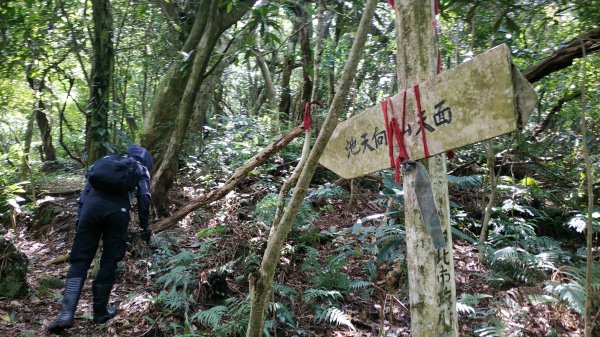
x=477 y=100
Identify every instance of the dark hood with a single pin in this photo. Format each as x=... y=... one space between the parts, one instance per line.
x=142 y=155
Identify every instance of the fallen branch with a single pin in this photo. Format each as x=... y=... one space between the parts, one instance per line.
x=231 y=183
x=563 y=57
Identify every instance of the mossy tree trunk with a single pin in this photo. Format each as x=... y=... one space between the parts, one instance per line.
x=432 y=289
x=261 y=282
x=167 y=123
x=97 y=135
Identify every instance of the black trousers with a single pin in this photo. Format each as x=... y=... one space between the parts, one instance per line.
x=103 y=216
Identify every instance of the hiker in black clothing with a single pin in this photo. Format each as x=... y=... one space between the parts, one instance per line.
x=103 y=215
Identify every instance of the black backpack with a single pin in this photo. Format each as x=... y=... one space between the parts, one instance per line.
x=116 y=174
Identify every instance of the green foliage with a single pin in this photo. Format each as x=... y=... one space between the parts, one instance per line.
x=265 y=211
x=319 y=295
x=178 y=271
x=327 y=275
x=324 y=302
x=230 y=143
x=208 y=232
x=466 y=304
x=211 y=317
x=230 y=319
x=326 y=191
x=386 y=239
x=10 y=198
x=329 y=283
x=571 y=289
x=466 y=182
x=495 y=330
x=334 y=316
x=46 y=284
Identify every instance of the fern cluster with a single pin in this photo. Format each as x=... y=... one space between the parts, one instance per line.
x=265 y=211
x=228 y=319
x=178 y=270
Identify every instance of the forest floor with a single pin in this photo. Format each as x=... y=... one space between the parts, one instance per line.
x=136 y=287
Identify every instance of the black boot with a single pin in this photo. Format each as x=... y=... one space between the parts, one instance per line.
x=69 y=304
x=102 y=312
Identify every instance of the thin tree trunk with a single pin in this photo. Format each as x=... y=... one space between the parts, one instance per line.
x=266 y=73
x=25 y=168
x=77 y=46
x=589 y=175
x=97 y=135
x=492 y=196
x=45 y=131
x=287 y=185
x=288 y=65
x=61 y=119
x=261 y=281
x=307 y=59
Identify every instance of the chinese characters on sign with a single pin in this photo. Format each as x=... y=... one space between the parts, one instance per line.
x=445 y=293
x=372 y=141
x=378 y=138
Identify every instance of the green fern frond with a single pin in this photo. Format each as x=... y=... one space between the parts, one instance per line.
x=326 y=191
x=489 y=331
x=465 y=182
x=332 y=279
x=211 y=317
x=178 y=276
x=359 y=284
x=335 y=316
x=173 y=299
x=572 y=293
x=537 y=299
x=265 y=211
x=184 y=258
x=506 y=254
x=495 y=329
x=464 y=309
x=312 y=295
x=472 y=299
x=467 y=302
x=285 y=291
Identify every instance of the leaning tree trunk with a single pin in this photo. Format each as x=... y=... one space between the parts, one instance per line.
x=261 y=281
x=173 y=105
x=97 y=136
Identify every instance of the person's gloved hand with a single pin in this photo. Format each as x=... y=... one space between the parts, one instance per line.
x=146 y=234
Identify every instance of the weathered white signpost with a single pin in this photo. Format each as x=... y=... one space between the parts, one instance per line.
x=477 y=100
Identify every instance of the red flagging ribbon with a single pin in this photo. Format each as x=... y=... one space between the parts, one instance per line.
x=307 y=118
x=391 y=3
x=388 y=131
x=418 y=99
x=395 y=133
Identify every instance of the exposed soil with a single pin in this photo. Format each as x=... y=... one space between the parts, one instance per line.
x=139 y=316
